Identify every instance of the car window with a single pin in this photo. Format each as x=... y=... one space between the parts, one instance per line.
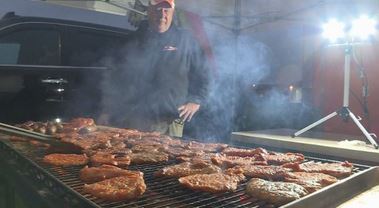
x=9 y=53
x=85 y=48
x=33 y=47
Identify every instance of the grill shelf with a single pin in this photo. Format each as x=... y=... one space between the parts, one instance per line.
x=161 y=192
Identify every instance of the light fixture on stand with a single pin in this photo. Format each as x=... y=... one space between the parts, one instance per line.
x=360 y=30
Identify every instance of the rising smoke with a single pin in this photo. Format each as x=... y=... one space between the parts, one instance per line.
x=242 y=62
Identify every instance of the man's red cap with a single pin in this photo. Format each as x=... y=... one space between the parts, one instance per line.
x=155 y=2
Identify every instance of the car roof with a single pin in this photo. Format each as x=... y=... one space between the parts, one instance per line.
x=10 y=19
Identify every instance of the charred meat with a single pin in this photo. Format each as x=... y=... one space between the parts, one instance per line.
x=65 y=159
x=231 y=161
x=311 y=181
x=188 y=168
x=338 y=170
x=283 y=158
x=264 y=172
x=277 y=193
x=101 y=158
x=231 y=151
x=148 y=157
x=214 y=183
x=96 y=174
x=118 y=188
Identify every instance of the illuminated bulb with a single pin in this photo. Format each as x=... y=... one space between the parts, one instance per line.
x=58 y=120
x=333 y=30
x=290 y=87
x=363 y=27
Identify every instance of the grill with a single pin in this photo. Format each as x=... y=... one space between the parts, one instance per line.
x=160 y=192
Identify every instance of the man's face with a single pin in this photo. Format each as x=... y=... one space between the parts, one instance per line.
x=160 y=17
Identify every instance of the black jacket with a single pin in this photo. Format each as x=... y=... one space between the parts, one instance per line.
x=158 y=73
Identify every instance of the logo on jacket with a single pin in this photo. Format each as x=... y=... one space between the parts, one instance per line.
x=170 y=48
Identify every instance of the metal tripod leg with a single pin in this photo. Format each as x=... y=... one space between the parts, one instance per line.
x=362 y=128
x=322 y=120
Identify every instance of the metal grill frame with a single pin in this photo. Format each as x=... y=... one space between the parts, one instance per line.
x=162 y=192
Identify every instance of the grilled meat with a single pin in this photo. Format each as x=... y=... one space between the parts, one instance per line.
x=334 y=169
x=84 y=143
x=142 y=142
x=171 y=142
x=311 y=181
x=199 y=156
x=148 y=157
x=148 y=148
x=188 y=168
x=206 y=147
x=277 y=193
x=231 y=151
x=214 y=183
x=118 y=188
x=95 y=174
x=76 y=124
x=111 y=150
x=260 y=171
x=65 y=159
x=101 y=158
x=231 y=161
x=280 y=158
x=41 y=127
x=81 y=122
x=176 y=152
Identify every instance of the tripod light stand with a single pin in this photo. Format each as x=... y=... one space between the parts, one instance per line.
x=344 y=111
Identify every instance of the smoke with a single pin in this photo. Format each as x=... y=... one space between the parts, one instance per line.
x=241 y=62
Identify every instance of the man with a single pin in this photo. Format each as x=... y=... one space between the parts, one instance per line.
x=163 y=81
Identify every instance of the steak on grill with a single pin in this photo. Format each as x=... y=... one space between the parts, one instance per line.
x=231 y=151
x=175 y=152
x=261 y=171
x=111 y=150
x=148 y=157
x=148 y=148
x=200 y=156
x=95 y=174
x=101 y=158
x=277 y=193
x=311 y=181
x=231 y=161
x=65 y=159
x=188 y=168
x=214 y=183
x=280 y=158
x=338 y=170
x=206 y=147
x=118 y=188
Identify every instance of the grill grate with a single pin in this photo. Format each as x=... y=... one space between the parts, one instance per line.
x=160 y=192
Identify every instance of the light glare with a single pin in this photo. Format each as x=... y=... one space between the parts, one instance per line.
x=334 y=30
x=363 y=27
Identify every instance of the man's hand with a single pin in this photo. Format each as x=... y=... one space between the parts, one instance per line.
x=187 y=110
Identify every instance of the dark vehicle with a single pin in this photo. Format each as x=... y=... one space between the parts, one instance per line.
x=51 y=68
